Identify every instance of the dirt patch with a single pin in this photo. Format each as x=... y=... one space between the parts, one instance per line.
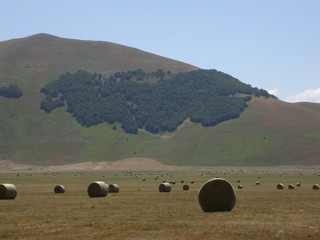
x=131 y=164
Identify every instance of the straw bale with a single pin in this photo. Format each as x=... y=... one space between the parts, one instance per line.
x=8 y=191
x=98 y=189
x=240 y=186
x=185 y=187
x=217 y=194
x=316 y=187
x=165 y=187
x=114 y=188
x=291 y=186
x=59 y=189
x=280 y=186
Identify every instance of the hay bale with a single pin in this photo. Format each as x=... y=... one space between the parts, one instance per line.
x=280 y=186
x=240 y=186
x=257 y=183
x=192 y=182
x=185 y=187
x=8 y=191
x=114 y=188
x=291 y=186
x=238 y=180
x=298 y=184
x=59 y=189
x=165 y=187
x=315 y=187
x=217 y=194
x=98 y=189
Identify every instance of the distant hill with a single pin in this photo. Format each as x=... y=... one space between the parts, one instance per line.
x=268 y=131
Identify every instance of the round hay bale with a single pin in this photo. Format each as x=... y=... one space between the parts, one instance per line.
x=315 y=187
x=114 y=188
x=298 y=184
x=217 y=194
x=185 y=187
x=192 y=182
x=280 y=186
x=257 y=183
x=8 y=191
x=238 y=180
x=59 y=189
x=291 y=186
x=164 y=187
x=98 y=189
x=240 y=186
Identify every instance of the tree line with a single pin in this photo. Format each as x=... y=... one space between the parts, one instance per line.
x=157 y=101
x=12 y=91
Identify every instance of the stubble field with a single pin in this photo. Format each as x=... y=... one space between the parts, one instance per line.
x=140 y=211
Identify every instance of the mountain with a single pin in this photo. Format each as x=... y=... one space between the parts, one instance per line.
x=268 y=131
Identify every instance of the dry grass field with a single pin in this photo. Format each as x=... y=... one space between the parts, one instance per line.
x=140 y=211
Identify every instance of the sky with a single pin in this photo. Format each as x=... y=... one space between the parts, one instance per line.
x=270 y=44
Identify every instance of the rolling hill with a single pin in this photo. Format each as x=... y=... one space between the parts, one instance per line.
x=268 y=132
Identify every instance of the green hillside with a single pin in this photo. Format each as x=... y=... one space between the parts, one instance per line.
x=27 y=134
x=312 y=106
x=268 y=131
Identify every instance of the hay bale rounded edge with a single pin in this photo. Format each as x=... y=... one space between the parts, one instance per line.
x=217 y=195
x=165 y=187
x=98 y=189
x=291 y=186
x=59 y=189
x=316 y=187
x=8 y=191
x=280 y=186
x=114 y=188
x=185 y=187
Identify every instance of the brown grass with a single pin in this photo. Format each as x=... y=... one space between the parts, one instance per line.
x=139 y=211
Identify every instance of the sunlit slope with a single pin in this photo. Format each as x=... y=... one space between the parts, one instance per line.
x=312 y=106
x=36 y=60
x=269 y=132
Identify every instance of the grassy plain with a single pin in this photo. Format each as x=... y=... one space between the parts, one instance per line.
x=139 y=211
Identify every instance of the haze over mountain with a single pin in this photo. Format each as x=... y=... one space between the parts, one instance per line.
x=268 y=132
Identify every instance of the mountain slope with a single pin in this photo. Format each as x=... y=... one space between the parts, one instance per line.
x=26 y=132
x=268 y=132
x=45 y=57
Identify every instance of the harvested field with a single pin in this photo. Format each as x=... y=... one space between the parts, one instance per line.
x=140 y=211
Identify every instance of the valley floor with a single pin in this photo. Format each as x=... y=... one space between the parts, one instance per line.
x=146 y=164
x=139 y=211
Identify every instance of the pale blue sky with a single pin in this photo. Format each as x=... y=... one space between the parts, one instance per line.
x=270 y=44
